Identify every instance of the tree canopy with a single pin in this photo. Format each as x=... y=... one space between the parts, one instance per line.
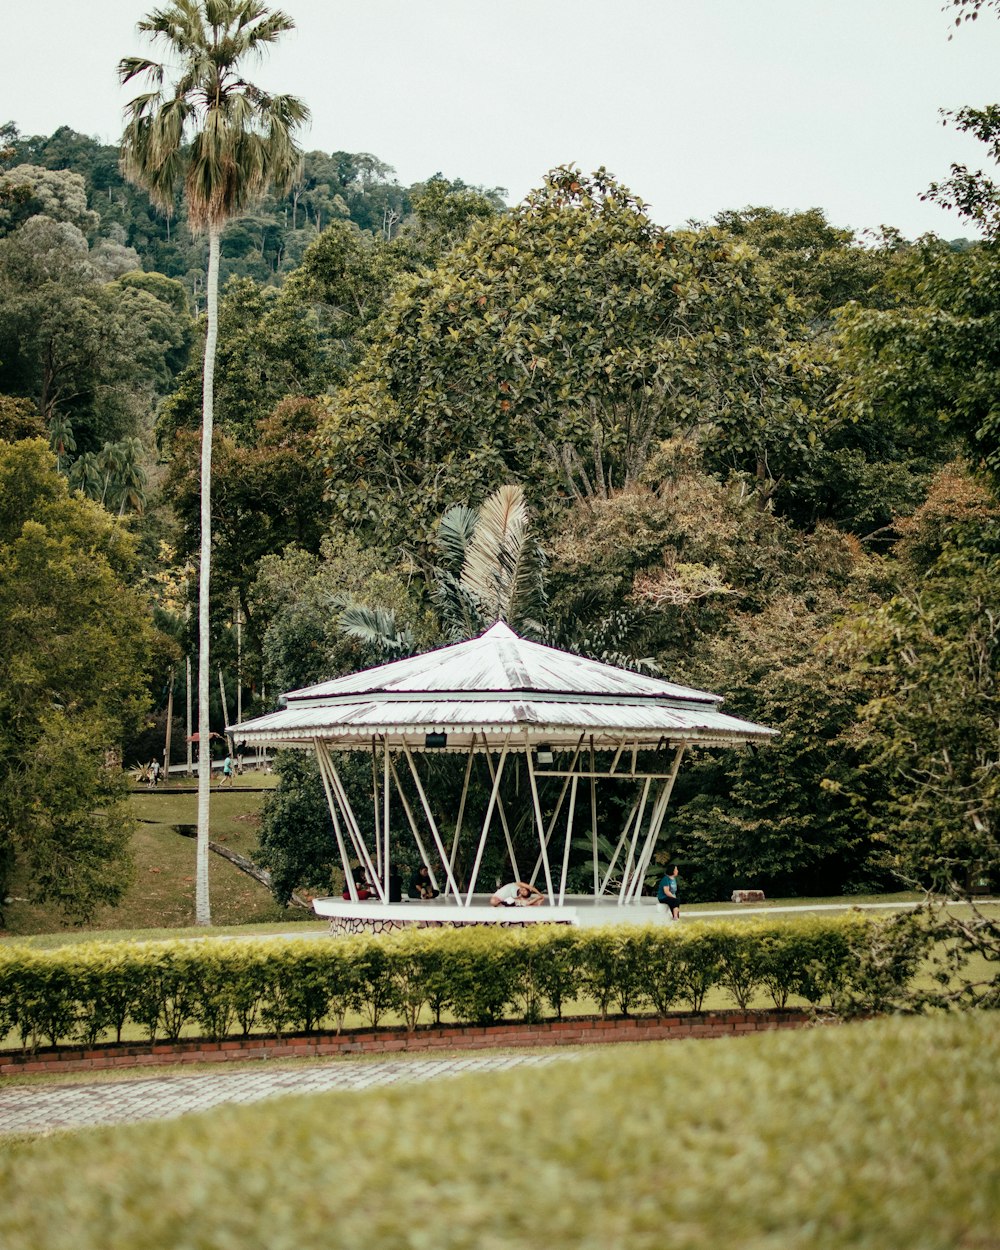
x=74 y=637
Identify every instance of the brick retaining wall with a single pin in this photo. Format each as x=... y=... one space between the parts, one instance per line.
x=386 y=1041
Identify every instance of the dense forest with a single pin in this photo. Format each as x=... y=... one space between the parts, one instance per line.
x=759 y=456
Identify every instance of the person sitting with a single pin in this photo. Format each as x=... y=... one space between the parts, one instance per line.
x=667 y=894
x=517 y=894
x=421 y=885
x=361 y=884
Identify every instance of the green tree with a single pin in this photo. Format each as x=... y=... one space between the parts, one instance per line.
x=93 y=354
x=267 y=494
x=228 y=142
x=789 y=817
x=298 y=600
x=556 y=346
x=930 y=656
x=822 y=265
x=924 y=370
x=30 y=190
x=19 y=419
x=73 y=644
x=271 y=346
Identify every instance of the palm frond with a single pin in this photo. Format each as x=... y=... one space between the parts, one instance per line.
x=377 y=628
x=460 y=611
x=494 y=550
x=454 y=532
x=503 y=565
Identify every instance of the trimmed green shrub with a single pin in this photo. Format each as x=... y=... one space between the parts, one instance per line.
x=164 y=1001
x=825 y=952
x=551 y=968
x=106 y=985
x=376 y=986
x=94 y=992
x=781 y=955
x=741 y=960
x=483 y=975
x=421 y=971
x=700 y=964
x=665 y=981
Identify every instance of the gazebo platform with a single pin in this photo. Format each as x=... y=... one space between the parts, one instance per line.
x=372 y=916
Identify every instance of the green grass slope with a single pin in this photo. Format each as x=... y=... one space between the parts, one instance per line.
x=161 y=895
x=875 y=1135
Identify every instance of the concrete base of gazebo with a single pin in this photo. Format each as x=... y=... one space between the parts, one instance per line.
x=348 y=917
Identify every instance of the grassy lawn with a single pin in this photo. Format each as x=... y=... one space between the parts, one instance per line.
x=821 y=1139
x=161 y=897
x=831 y=900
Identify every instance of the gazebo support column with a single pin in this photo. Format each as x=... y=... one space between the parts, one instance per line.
x=634 y=841
x=426 y=859
x=569 y=834
x=461 y=804
x=618 y=848
x=502 y=813
x=328 y=767
x=381 y=862
x=593 y=818
x=385 y=807
x=635 y=874
x=345 y=859
x=567 y=776
x=486 y=822
x=353 y=827
x=431 y=823
x=540 y=826
x=656 y=823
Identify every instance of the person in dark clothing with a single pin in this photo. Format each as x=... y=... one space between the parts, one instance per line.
x=421 y=885
x=362 y=885
x=666 y=892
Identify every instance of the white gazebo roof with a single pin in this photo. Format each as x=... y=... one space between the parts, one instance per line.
x=495 y=689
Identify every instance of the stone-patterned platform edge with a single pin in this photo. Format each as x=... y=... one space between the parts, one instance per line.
x=570 y=1032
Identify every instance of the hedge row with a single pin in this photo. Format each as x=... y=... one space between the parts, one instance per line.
x=90 y=993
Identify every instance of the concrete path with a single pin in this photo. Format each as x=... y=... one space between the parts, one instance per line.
x=40 y=1108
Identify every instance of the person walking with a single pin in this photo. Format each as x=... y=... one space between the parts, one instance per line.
x=227 y=771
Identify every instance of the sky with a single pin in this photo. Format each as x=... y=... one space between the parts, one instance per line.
x=696 y=105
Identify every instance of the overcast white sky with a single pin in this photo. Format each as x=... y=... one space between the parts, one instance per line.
x=698 y=105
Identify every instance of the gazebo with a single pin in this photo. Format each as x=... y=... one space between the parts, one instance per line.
x=574 y=722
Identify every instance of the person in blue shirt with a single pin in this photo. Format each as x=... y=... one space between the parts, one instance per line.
x=666 y=892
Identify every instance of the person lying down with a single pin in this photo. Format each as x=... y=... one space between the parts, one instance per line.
x=517 y=894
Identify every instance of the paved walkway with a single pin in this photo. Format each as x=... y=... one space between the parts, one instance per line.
x=38 y=1108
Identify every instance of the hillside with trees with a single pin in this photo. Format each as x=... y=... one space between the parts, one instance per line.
x=757 y=455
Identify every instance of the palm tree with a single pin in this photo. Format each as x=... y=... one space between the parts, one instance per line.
x=227 y=142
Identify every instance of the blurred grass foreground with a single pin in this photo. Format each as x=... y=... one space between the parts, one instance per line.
x=879 y=1134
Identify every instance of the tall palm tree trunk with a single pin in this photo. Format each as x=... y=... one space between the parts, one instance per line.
x=203 y=912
